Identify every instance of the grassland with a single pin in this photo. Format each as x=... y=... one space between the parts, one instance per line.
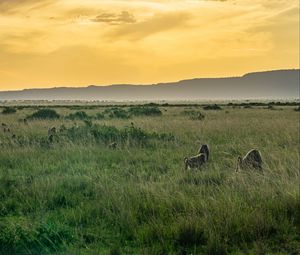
x=74 y=195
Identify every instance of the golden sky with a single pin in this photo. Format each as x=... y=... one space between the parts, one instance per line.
x=47 y=43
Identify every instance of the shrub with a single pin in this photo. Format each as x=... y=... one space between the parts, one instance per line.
x=44 y=114
x=145 y=110
x=107 y=134
x=9 y=110
x=116 y=113
x=81 y=115
x=212 y=107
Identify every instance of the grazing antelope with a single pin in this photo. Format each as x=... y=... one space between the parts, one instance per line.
x=195 y=161
x=251 y=160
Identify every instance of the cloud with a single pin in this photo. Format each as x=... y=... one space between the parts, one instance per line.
x=114 y=19
x=156 y=24
x=50 y=42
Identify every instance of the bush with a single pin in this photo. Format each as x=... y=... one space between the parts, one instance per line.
x=107 y=134
x=145 y=110
x=212 y=107
x=9 y=110
x=81 y=115
x=44 y=114
x=116 y=113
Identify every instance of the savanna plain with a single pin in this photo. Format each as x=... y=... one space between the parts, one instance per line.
x=68 y=191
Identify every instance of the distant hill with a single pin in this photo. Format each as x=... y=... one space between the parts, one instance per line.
x=280 y=84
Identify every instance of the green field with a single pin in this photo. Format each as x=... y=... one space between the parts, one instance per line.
x=75 y=195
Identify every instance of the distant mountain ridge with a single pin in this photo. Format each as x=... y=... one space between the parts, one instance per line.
x=278 y=84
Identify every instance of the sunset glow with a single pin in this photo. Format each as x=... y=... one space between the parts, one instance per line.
x=47 y=43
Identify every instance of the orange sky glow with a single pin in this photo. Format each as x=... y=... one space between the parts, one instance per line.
x=47 y=43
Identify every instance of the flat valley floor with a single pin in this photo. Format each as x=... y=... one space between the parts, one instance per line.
x=68 y=192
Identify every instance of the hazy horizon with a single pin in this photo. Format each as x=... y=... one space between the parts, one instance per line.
x=276 y=84
x=146 y=84
x=78 y=43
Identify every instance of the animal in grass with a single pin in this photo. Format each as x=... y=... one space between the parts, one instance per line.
x=4 y=125
x=52 y=131
x=113 y=145
x=205 y=150
x=252 y=159
x=195 y=161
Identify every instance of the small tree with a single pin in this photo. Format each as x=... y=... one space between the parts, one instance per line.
x=44 y=114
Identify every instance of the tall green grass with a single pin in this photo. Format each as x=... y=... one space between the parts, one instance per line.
x=74 y=197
